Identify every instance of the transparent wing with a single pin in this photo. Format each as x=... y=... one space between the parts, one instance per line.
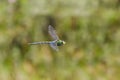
x=54 y=46
x=52 y=32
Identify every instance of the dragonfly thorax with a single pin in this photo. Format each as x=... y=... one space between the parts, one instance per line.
x=60 y=42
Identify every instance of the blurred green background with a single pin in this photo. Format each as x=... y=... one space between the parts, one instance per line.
x=91 y=29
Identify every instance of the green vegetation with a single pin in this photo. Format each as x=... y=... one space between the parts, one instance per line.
x=90 y=28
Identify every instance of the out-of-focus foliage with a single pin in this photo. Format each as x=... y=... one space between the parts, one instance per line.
x=91 y=29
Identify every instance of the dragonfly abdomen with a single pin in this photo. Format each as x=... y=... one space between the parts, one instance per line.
x=45 y=42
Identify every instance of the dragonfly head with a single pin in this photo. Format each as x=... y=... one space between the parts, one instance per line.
x=60 y=42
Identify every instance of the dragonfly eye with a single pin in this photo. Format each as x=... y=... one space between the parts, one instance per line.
x=64 y=42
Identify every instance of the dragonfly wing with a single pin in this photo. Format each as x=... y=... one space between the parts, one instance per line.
x=54 y=46
x=52 y=32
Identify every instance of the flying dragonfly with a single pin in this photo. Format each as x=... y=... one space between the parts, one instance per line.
x=56 y=41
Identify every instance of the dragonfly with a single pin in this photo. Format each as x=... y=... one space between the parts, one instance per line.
x=54 y=43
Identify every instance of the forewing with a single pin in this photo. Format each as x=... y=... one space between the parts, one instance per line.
x=52 y=32
x=54 y=46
